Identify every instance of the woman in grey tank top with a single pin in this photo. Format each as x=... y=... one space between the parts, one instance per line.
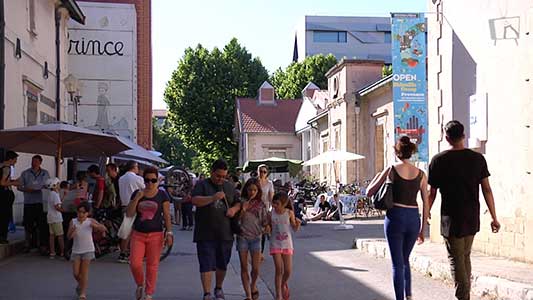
x=402 y=223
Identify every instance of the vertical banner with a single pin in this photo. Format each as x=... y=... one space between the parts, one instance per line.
x=409 y=80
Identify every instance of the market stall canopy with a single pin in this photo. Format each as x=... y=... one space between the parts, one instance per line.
x=137 y=152
x=275 y=164
x=61 y=140
x=332 y=156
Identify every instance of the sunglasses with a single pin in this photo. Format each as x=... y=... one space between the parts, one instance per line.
x=263 y=171
x=82 y=211
x=148 y=180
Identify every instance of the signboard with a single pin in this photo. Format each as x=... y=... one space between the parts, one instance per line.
x=103 y=56
x=409 y=80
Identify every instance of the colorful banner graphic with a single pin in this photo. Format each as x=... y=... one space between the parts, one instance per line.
x=409 y=80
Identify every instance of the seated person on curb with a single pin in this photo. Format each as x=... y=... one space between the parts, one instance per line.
x=324 y=208
x=333 y=214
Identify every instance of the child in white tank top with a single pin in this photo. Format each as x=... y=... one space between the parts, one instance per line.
x=81 y=230
x=281 y=247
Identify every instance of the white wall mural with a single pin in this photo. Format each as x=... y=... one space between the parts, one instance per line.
x=103 y=56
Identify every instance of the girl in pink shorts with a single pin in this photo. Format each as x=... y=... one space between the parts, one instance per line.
x=281 y=247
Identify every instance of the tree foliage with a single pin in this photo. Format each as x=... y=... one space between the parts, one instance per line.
x=201 y=99
x=386 y=71
x=290 y=82
x=166 y=141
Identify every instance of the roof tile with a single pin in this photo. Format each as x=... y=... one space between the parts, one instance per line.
x=279 y=118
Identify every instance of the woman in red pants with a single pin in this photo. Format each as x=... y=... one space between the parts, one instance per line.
x=152 y=207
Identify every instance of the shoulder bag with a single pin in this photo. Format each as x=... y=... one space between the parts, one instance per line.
x=383 y=198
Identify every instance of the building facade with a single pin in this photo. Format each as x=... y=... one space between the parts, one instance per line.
x=377 y=115
x=111 y=56
x=353 y=115
x=35 y=48
x=344 y=37
x=265 y=126
x=480 y=73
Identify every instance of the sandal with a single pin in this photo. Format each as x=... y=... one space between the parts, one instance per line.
x=82 y=297
x=139 y=293
x=285 y=292
x=255 y=295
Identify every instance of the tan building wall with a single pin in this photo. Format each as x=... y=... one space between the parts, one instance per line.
x=488 y=56
x=377 y=134
x=344 y=80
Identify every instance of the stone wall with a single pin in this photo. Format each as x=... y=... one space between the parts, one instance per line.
x=488 y=56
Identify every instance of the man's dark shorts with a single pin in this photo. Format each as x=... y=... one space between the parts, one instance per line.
x=33 y=215
x=213 y=255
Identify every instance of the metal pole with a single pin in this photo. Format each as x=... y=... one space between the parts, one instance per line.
x=58 y=64
x=59 y=155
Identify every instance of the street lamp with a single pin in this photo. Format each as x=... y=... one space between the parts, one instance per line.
x=73 y=88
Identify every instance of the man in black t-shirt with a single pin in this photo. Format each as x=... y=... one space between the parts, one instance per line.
x=458 y=173
x=216 y=202
x=323 y=208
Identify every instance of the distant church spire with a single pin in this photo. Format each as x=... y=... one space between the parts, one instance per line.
x=295 y=51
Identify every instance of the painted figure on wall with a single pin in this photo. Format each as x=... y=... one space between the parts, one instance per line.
x=102 y=120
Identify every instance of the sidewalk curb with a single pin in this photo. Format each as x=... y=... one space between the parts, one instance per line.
x=12 y=249
x=484 y=285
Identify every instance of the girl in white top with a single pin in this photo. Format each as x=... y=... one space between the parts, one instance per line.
x=281 y=247
x=81 y=230
x=267 y=192
x=267 y=187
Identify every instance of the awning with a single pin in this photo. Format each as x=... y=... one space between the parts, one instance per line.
x=275 y=165
x=138 y=152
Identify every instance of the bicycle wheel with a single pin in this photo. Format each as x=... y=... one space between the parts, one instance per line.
x=178 y=183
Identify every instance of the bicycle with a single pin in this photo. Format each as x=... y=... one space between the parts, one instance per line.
x=178 y=185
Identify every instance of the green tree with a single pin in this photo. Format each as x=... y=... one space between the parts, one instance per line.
x=386 y=71
x=290 y=82
x=166 y=141
x=201 y=99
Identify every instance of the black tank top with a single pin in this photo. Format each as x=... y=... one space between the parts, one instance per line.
x=405 y=191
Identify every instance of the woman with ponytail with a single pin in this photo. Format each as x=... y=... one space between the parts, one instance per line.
x=402 y=223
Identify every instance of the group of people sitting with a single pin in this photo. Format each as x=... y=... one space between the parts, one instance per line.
x=328 y=210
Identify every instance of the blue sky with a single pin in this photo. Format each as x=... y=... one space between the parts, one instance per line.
x=265 y=27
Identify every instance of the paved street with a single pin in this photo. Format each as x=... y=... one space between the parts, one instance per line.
x=325 y=267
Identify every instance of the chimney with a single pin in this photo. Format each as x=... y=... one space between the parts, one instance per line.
x=309 y=90
x=266 y=94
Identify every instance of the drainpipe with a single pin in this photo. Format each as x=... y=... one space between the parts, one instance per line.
x=58 y=64
x=358 y=132
x=2 y=63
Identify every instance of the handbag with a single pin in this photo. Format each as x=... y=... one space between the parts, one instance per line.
x=125 y=228
x=235 y=222
x=383 y=198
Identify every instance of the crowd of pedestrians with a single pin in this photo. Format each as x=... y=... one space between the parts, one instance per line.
x=251 y=215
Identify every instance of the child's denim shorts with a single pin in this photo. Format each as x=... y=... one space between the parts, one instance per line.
x=248 y=245
x=82 y=256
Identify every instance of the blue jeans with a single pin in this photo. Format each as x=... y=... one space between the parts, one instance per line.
x=402 y=226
